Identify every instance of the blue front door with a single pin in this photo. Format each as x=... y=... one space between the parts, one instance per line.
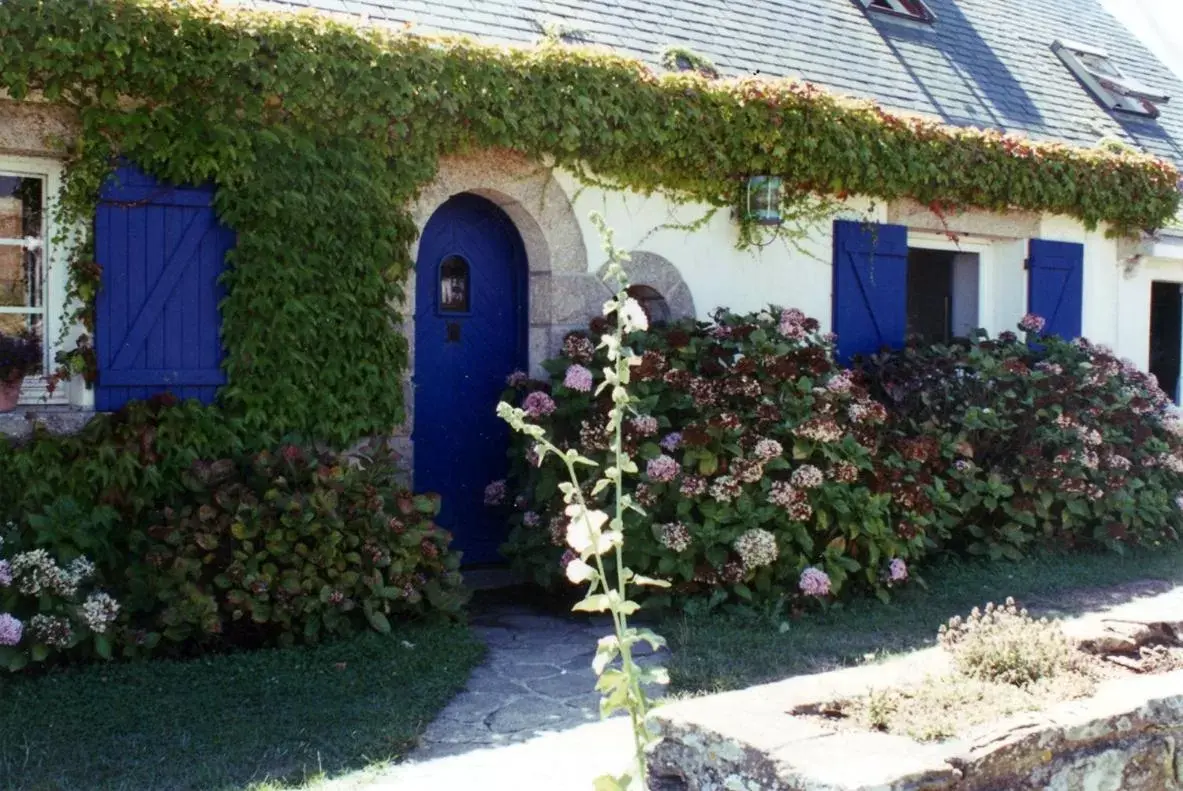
x=470 y=333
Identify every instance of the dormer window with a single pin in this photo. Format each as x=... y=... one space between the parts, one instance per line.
x=1105 y=81
x=910 y=9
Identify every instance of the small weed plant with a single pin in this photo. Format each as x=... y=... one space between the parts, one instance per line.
x=1007 y=646
x=595 y=537
x=1005 y=662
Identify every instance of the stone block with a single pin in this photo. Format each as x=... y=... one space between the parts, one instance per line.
x=1124 y=738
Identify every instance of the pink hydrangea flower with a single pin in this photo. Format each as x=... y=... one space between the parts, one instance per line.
x=814 y=582
x=578 y=378
x=11 y=630
x=1032 y=323
x=645 y=425
x=897 y=570
x=538 y=404
x=674 y=536
x=840 y=382
x=807 y=477
x=531 y=519
x=663 y=468
x=767 y=449
x=495 y=493
x=792 y=323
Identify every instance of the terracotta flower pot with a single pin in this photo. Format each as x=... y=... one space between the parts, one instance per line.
x=10 y=392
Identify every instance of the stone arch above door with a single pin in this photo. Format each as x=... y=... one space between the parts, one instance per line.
x=561 y=291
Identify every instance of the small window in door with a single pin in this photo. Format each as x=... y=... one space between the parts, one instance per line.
x=454 y=285
x=942 y=295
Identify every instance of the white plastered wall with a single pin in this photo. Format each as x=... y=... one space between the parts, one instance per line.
x=716 y=272
x=1139 y=267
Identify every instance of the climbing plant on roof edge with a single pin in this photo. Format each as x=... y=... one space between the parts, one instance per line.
x=319 y=134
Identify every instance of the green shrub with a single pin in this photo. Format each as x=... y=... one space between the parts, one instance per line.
x=78 y=494
x=285 y=547
x=758 y=455
x=1022 y=441
x=208 y=544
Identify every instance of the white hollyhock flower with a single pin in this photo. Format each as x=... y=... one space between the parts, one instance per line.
x=585 y=530
x=579 y=571
x=634 y=315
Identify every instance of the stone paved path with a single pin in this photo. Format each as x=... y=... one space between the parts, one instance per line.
x=528 y=719
x=536 y=677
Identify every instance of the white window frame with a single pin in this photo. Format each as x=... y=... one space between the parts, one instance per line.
x=922 y=240
x=899 y=9
x=35 y=390
x=1115 y=90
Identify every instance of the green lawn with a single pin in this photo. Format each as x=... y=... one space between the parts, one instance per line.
x=263 y=719
x=716 y=652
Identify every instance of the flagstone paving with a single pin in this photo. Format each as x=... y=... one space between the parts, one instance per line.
x=528 y=718
x=537 y=678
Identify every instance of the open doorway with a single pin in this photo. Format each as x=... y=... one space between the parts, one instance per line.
x=1166 y=335
x=942 y=301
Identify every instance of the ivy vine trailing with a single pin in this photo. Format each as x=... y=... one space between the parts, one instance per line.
x=319 y=135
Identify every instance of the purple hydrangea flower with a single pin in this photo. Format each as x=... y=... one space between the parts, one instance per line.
x=897 y=570
x=5 y=574
x=578 y=378
x=663 y=468
x=671 y=441
x=538 y=404
x=11 y=630
x=495 y=493
x=814 y=582
x=517 y=379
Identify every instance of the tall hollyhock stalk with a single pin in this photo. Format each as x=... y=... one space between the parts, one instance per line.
x=595 y=534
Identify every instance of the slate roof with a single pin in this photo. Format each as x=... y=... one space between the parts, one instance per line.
x=984 y=63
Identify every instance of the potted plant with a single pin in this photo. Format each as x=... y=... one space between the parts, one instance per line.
x=20 y=355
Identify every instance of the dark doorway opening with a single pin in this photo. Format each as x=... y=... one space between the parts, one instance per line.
x=1166 y=329
x=930 y=295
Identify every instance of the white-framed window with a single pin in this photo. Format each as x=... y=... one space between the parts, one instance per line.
x=1113 y=89
x=912 y=9
x=32 y=269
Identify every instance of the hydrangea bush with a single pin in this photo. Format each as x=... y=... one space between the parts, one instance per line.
x=51 y=610
x=287 y=546
x=213 y=537
x=757 y=455
x=1026 y=439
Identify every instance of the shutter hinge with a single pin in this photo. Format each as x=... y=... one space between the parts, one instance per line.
x=1026 y=263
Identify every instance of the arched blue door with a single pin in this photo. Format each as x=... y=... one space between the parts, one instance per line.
x=470 y=333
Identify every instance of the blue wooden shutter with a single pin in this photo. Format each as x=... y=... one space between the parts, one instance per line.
x=161 y=251
x=1055 y=285
x=870 y=287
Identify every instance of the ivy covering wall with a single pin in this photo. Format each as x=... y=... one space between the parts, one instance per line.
x=319 y=135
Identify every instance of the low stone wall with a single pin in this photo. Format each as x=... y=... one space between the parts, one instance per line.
x=19 y=424
x=1126 y=737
